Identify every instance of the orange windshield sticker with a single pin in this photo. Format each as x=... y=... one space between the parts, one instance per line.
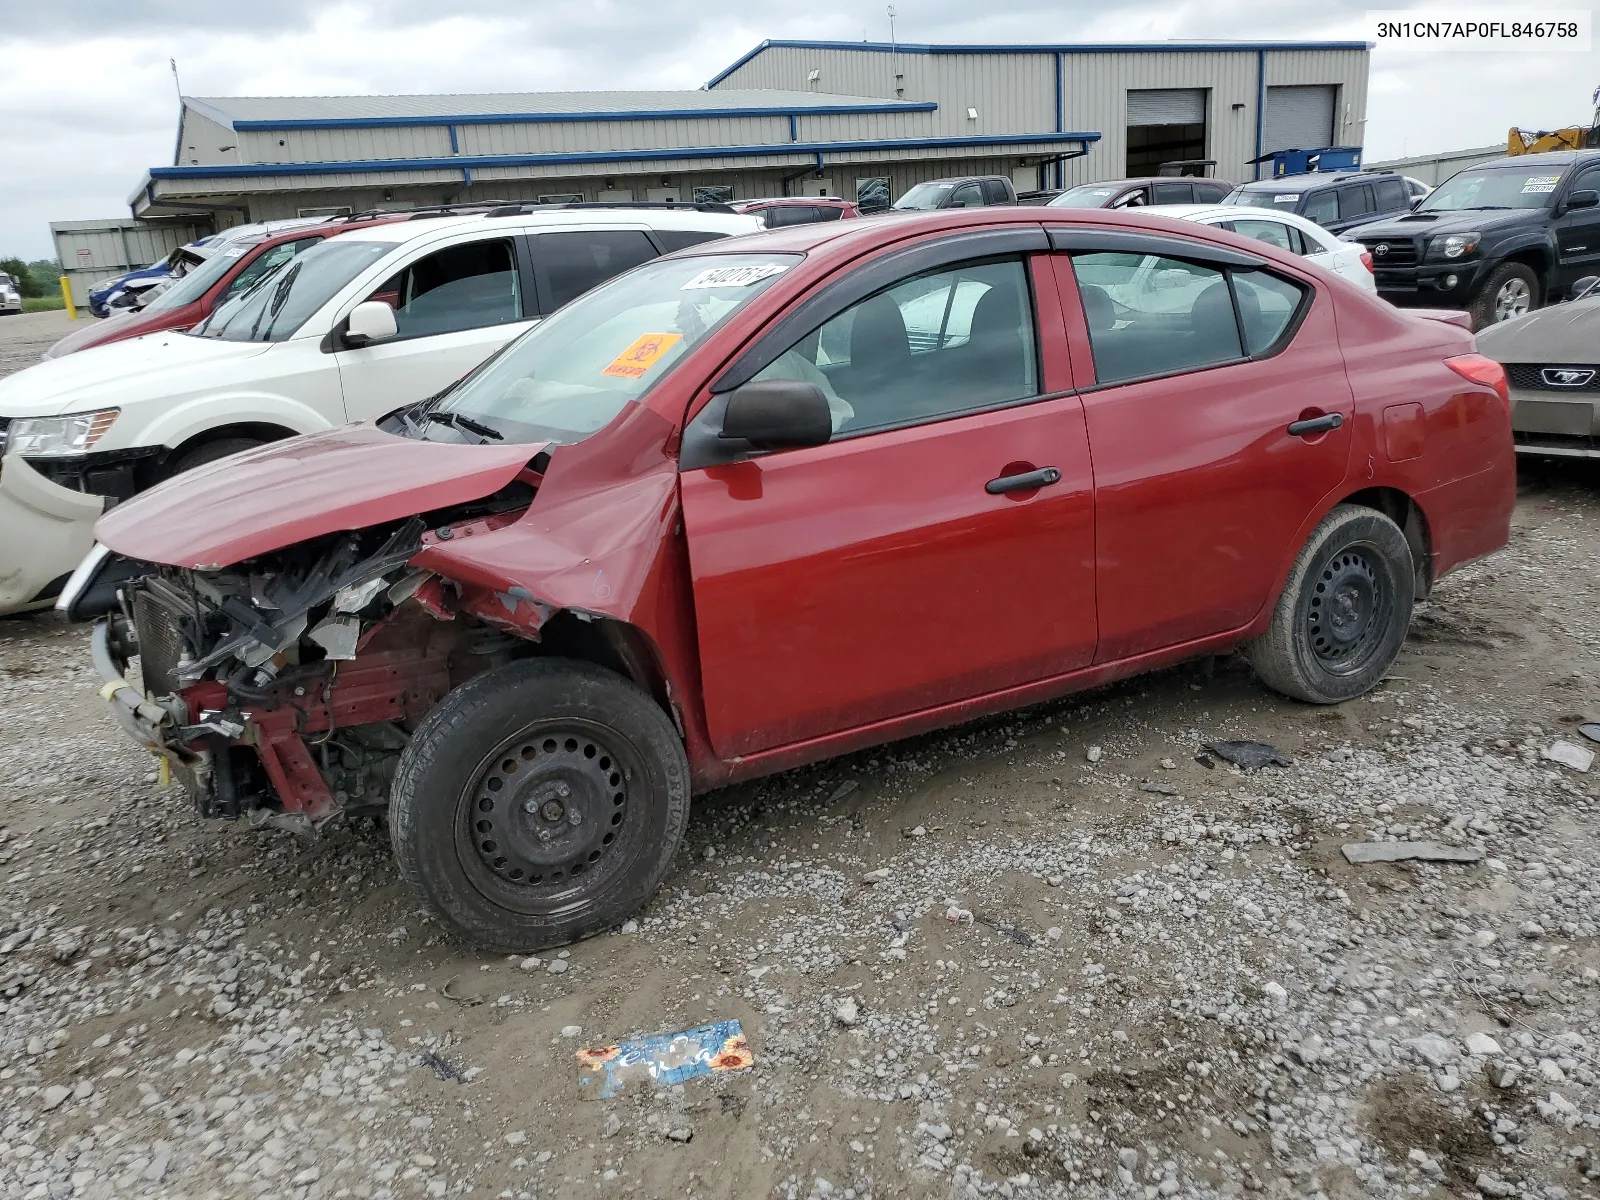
x=645 y=352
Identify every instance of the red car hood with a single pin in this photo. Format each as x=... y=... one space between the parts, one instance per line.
x=291 y=491
x=124 y=325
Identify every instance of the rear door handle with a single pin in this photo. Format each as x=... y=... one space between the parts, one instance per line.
x=1316 y=425
x=1026 y=482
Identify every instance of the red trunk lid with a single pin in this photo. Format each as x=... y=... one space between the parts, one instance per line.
x=351 y=477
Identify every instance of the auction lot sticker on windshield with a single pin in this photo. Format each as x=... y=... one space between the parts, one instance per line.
x=645 y=352
x=1541 y=183
x=717 y=277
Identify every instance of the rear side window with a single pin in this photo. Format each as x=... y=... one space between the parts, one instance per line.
x=829 y=212
x=1274 y=233
x=677 y=239
x=1211 y=193
x=570 y=264
x=1321 y=207
x=1149 y=315
x=1391 y=194
x=461 y=287
x=1174 y=193
x=1355 y=201
x=994 y=191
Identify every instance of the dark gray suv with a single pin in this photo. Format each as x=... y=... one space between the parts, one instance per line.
x=1336 y=201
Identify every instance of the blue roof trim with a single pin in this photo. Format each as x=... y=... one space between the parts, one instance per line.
x=1007 y=48
x=457 y=162
x=555 y=118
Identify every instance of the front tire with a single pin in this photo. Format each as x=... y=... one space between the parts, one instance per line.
x=539 y=803
x=1344 y=612
x=1511 y=290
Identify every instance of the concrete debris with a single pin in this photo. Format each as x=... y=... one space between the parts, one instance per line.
x=1381 y=852
x=1569 y=754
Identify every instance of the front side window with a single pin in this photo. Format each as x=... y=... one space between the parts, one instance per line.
x=283 y=299
x=461 y=287
x=947 y=342
x=1392 y=195
x=1137 y=198
x=571 y=374
x=569 y=264
x=967 y=196
x=1321 y=207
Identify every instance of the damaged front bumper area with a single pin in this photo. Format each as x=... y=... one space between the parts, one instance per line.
x=284 y=689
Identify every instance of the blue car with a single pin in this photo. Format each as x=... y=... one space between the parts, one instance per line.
x=104 y=295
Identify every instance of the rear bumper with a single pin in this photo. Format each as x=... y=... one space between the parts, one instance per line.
x=47 y=531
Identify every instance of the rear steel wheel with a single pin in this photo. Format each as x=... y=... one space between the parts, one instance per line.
x=1343 y=615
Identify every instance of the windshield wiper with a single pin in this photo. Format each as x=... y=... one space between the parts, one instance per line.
x=467 y=424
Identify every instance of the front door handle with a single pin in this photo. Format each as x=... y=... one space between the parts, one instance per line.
x=1316 y=425
x=1026 y=482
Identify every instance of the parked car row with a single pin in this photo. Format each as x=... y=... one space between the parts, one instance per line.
x=330 y=329
x=585 y=514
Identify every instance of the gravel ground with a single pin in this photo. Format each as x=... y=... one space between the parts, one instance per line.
x=1041 y=955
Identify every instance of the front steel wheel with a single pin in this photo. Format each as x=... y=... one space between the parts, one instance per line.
x=1344 y=612
x=539 y=803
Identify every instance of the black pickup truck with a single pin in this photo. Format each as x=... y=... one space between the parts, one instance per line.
x=1497 y=239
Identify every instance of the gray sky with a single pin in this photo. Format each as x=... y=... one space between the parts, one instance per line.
x=89 y=102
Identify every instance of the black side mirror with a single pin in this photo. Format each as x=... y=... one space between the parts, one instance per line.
x=778 y=414
x=1583 y=198
x=1582 y=287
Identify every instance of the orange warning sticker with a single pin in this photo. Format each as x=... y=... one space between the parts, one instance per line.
x=645 y=352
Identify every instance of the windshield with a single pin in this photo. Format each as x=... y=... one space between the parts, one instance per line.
x=574 y=372
x=282 y=300
x=925 y=196
x=1497 y=188
x=1283 y=201
x=1083 y=197
x=198 y=281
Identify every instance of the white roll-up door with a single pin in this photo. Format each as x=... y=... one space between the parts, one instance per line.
x=1298 y=118
x=1167 y=106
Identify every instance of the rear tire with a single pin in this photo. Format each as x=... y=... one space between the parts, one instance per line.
x=1344 y=612
x=1511 y=290
x=539 y=803
x=210 y=452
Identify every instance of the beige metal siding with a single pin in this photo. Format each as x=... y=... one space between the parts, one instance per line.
x=204 y=142
x=90 y=251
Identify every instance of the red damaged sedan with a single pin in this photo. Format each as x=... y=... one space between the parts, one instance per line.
x=767 y=501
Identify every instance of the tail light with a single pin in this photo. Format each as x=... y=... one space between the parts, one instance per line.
x=1366 y=261
x=1482 y=370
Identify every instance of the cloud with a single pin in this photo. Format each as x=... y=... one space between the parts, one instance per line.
x=90 y=102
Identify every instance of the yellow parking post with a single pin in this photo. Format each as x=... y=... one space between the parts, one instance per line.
x=66 y=295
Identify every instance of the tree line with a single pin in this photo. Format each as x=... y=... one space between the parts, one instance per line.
x=38 y=278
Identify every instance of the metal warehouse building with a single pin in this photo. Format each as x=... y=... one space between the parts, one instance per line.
x=860 y=120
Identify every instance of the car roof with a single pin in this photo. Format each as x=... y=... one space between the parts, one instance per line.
x=557 y=218
x=1550 y=158
x=1309 y=181
x=830 y=241
x=1234 y=212
x=768 y=201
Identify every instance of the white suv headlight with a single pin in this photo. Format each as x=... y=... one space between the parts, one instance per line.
x=59 y=437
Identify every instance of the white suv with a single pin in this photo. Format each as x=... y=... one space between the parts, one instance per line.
x=350 y=329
